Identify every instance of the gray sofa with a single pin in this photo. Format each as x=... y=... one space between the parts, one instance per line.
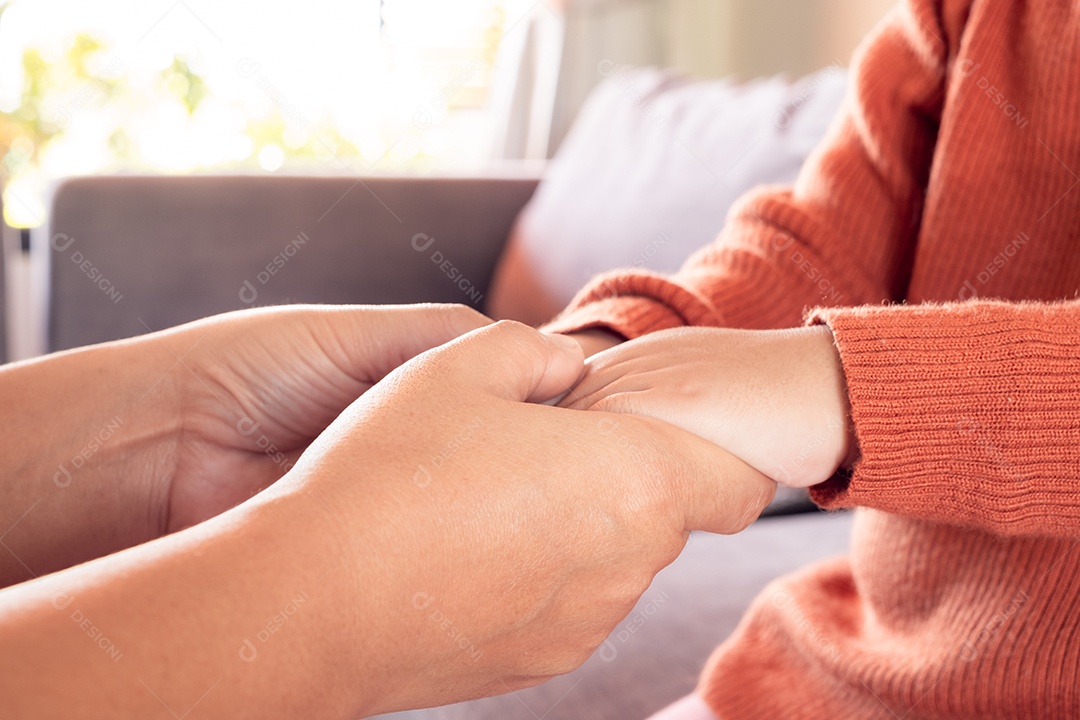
x=133 y=254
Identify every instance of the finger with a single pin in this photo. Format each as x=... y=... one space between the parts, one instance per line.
x=373 y=341
x=603 y=376
x=611 y=391
x=512 y=361
x=721 y=493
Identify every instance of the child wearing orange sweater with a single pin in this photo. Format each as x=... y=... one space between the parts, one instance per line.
x=940 y=392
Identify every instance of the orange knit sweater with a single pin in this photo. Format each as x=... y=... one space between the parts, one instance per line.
x=940 y=225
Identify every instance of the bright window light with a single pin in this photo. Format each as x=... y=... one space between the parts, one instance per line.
x=180 y=86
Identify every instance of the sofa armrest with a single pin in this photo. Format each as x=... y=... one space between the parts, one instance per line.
x=133 y=254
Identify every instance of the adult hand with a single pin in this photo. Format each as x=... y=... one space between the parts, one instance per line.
x=776 y=399
x=440 y=540
x=259 y=386
x=511 y=538
x=115 y=444
x=596 y=340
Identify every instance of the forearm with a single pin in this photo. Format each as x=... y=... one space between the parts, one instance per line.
x=84 y=439
x=246 y=615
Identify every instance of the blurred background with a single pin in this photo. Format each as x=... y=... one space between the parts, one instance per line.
x=354 y=86
x=356 y=89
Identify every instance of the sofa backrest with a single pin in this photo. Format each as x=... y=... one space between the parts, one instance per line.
x=133 y=254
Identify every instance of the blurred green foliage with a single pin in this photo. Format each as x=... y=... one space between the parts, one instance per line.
x=86 y=77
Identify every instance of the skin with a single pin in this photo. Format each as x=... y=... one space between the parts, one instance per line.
x=596 y=340
x=439 y=538
x=776 y=399
x=183 y=424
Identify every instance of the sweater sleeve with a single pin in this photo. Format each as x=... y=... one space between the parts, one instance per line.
x=966 y=413
x=843 y=235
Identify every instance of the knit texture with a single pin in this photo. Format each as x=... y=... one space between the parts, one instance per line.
x=936 y=233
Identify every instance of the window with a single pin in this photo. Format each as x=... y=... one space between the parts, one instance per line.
x=177 y=86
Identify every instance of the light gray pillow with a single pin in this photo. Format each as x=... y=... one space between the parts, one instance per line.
x=655 y=160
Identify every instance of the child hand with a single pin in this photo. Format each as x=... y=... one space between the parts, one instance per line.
x=776 y=399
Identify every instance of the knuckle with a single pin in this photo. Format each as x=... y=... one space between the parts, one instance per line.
x=512 y=327
x=466 y=315
x=752 y=506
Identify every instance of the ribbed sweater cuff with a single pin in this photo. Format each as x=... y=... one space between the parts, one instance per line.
x=968 y=413
x=634 y=304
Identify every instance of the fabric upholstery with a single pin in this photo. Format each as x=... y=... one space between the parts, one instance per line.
x=652 y=165
x=134 y=254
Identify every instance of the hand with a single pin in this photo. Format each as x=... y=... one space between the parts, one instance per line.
x=116 y=444
x=775 y=399
x=508 y=539
x=262 y=385
x=596 y=340
x=439 y=541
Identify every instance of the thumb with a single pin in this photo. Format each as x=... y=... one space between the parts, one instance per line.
x=512 y=361
x=721 y=493
x=375 y=340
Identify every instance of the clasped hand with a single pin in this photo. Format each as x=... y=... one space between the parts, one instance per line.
x=379 y=484
x=775 y=399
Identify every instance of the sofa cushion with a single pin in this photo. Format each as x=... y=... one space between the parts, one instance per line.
x=648 y=173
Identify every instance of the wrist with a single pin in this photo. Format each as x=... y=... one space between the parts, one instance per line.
x=348 y=546
x=354 y=606
x=837 y=400
x=88 y=433
x=256 y=594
